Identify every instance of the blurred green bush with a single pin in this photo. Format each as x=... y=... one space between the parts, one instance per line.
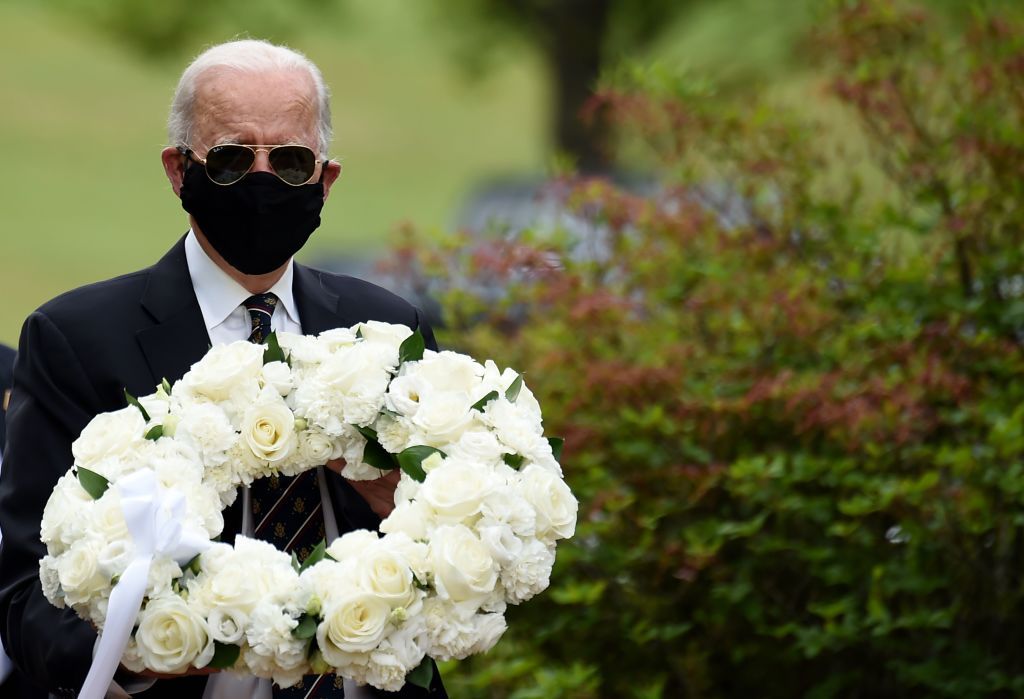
x=793 y=411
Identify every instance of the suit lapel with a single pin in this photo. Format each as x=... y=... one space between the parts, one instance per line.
x=179 y=337
x=318 y=307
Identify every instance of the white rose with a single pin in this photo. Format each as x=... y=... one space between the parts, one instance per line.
x=352 y=544
x=408 y=487
x=108 y=518
x=354 y=624
x=157 y=406
x=463 y=567
x=109 y=435
x=414 y=553
x=171 y=636
x=478 y=445
x=269 y=428
x=114 y=557
x=387 y=575
x=443 y=417
x=79 y=573
x=449 y=371
x=68 y=507
x=317 y=448
x=278 y=375
x=501 y=541
x=224 y=369
x=386 y=333
x=336 y=338
x=410 y=517
x=455 y=490
x=231 y=587
x=553 y=501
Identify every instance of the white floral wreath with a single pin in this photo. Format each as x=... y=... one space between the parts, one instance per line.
x=479 y=507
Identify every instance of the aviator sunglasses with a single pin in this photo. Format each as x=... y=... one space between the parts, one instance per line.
x=227 y=163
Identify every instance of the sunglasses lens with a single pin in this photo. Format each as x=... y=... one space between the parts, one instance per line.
x=293 y=164
x=228 y=163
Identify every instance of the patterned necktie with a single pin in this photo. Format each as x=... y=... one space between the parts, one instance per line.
x=288 y=512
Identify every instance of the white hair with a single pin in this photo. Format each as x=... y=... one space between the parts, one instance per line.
x=249 y=56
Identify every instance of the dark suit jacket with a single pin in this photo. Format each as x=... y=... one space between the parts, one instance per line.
x=78 y=353
x=6 y=379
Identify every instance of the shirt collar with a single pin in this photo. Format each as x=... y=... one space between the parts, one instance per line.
x=219 y=295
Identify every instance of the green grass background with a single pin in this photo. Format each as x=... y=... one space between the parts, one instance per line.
x=83 y=195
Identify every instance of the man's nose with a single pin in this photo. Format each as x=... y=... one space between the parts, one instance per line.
x=262 y=162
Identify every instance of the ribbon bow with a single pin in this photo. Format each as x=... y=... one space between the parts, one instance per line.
x=155 y=516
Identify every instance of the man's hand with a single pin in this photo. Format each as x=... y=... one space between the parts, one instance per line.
x=378 y=493
x=150 y=674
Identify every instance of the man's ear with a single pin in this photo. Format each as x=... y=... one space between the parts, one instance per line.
x=331 y=171
x=174 y=167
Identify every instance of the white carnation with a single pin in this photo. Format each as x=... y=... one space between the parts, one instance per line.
x=205 y=427
x=530 y=572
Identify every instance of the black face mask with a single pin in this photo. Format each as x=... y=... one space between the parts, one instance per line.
x=257 y=223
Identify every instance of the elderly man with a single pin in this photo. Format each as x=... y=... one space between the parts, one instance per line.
x=249 y=128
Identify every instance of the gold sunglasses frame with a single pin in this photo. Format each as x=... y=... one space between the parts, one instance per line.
x=254 y=149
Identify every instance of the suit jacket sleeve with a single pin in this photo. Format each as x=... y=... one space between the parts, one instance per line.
x=52 y=401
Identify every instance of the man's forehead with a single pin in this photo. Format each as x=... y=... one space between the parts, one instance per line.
x=234 y=103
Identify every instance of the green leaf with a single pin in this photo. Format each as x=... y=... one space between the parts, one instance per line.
x=94 y=483
x=556 y=447
x=368 y=432
x=306 y=628
x=480 y=404
x=155 y=432
x=512 y=392
x=224 y=655
x=273 y=353
x=375 y=455
x=411 y=350
x=132 y=400
x=514 y=460
x=193 y=565
x=166 y=385
x=422 y=674
x=411 y=460
x=316 y=556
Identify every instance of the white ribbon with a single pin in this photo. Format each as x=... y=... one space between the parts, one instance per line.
x=156 y=521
